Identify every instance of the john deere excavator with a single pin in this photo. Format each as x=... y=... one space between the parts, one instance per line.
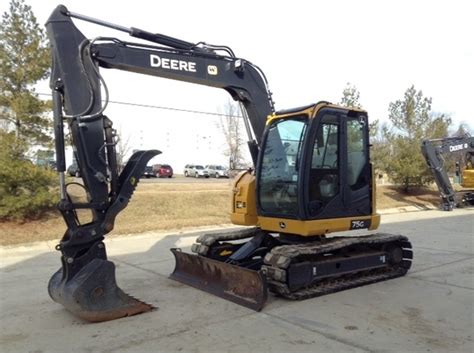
x=435 y=151
x=312 y=176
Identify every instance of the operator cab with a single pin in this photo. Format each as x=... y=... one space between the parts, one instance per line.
x=315 y=164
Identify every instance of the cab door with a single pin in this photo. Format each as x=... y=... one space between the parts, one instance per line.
x=358 y=188
x=337 y=176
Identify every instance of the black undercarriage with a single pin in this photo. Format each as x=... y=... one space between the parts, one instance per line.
x=304 y=270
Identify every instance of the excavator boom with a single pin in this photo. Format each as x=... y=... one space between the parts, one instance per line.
x=85 y=284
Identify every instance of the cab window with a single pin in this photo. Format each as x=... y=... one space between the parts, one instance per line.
x=356 y=152
x=324 y=173
x=279 y=169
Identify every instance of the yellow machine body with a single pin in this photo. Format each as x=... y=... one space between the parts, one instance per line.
x=244 y=203
x=467 y=178
x=244 y=212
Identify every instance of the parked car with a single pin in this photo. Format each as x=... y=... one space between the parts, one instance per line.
x=217 y=171
x=199 y=171
x=148 y=172
x=163 y=170
x=189 y=170
x=73 y=170
x=195 y=170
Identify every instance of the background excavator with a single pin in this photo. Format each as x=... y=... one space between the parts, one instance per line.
x=462 y=148
x=312 y=176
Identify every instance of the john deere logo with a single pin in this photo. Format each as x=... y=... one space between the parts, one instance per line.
x=212 y=70
x=172 y=64
x=282 y=225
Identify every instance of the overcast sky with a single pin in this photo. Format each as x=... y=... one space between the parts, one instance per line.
x=308 y=50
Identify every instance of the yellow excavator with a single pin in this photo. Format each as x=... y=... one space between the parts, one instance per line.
x=461 y=148
x=312 y=176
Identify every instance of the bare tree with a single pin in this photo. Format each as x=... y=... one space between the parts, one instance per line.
x=122 y=148
x=463 y=130
x=231 y=126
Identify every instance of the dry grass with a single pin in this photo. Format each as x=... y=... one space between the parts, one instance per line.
x=175 y=207
x=391 y=197
x=169 y=207
x=154 y=206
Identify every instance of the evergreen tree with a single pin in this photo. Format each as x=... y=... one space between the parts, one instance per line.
x=24 y=60
x=412 y=122
x=26 y=190
x=350 y=97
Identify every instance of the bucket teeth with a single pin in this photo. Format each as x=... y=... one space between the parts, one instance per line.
x=93 y=295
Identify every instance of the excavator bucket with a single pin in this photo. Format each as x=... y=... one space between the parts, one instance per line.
x=93 y=295
x=237 y=284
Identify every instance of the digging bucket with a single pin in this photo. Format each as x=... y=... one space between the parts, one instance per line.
x=93 y=295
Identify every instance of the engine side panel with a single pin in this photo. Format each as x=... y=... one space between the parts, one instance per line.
x=318 y=227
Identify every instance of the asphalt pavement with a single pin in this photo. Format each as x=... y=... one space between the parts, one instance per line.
x=429 y=310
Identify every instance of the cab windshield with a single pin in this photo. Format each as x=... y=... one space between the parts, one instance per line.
x=278 y=177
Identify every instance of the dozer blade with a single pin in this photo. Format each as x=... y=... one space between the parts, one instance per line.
x=237 y=284
x=93 y=295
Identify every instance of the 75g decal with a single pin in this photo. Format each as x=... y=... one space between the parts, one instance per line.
x=360 y=224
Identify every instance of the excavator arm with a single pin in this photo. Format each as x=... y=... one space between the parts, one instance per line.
x=85 y=284
x=434 y=151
